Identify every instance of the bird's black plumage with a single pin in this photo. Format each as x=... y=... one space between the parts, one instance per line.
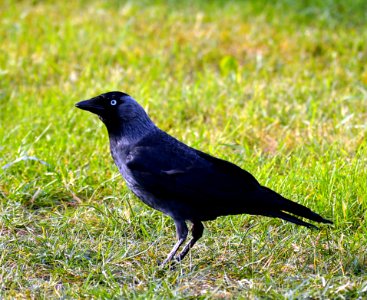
x=182 y=182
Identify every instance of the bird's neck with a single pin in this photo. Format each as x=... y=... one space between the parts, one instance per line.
x=130 y=132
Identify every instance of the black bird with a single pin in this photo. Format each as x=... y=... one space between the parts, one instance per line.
x=182 y=182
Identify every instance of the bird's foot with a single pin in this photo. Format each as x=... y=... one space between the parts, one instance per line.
x=171 y=264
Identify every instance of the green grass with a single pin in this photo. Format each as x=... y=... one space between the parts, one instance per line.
x=279 y=89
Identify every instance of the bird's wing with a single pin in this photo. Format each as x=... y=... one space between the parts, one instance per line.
x=197 y=181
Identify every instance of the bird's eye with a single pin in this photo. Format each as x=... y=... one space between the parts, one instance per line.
x=113 y=102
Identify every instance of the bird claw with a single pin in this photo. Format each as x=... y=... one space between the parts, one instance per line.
x=171 y=264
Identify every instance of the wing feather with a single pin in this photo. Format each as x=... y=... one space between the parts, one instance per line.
x=196 y=182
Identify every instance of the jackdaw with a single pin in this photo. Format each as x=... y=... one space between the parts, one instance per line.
x=183 y=183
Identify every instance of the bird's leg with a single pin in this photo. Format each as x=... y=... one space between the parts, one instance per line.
x=197 y=232
x=182 y=231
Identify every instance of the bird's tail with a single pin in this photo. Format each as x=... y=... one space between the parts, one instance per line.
x=283 y=206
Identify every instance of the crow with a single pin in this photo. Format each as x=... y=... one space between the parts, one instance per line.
x=184 y=183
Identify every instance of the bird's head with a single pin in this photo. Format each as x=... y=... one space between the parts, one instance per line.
x=118 y=111
x=113 y=107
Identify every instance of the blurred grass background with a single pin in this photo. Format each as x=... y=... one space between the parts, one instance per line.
x=277 y=88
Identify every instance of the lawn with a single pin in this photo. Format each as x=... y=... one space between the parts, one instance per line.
x=278 y=88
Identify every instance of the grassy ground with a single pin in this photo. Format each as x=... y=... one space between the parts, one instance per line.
x=280 y=89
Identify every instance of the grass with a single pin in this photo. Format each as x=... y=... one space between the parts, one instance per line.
x=279 y=89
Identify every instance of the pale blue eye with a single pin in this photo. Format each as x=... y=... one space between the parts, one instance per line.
x=113 y=102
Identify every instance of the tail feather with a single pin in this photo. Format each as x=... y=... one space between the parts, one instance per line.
x=283 y=205
x=292 y=219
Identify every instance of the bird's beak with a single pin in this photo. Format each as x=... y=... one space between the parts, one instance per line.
x=93 y=105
